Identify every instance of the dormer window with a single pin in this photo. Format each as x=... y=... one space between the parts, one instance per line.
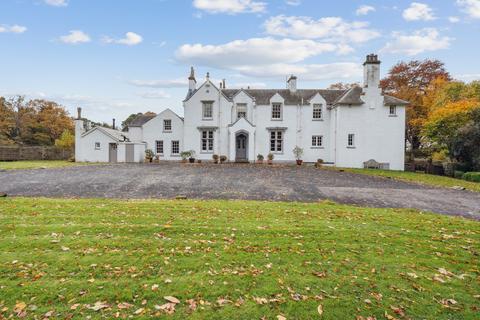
x=241 y=110
x=317 y=112
x=393 y=111
x=207 y=110
x=276 y=111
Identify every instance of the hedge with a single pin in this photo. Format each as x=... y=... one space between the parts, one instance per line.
x=472 y=176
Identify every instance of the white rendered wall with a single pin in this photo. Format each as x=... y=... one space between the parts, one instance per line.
x=153 y=131
x=135 y=134
x=87 y=147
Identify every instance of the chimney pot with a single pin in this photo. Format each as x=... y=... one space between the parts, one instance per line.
x=113 y=123
x=79 y=113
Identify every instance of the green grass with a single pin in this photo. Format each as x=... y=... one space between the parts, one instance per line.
x=63 y=256
x=36 y=164
x=422 y=178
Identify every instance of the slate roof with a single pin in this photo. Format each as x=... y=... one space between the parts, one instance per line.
x=389 y=101
x=141 y=119
x=351 y=97
x=114 y=134
x=262 y=96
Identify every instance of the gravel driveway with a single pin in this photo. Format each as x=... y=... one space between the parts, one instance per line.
x=235 y=181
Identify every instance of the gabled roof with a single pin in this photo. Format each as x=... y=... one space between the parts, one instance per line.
x=141 y=119
x=351 y=97
x=112 y=133
x=263 y=96
x=390 y=101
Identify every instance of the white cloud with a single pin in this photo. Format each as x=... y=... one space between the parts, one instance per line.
x=471 y=7
x=254 y=51
x=423 y=40
x=12 y=29
x=418 y=11
x=154 y=95
x=364 y=10
x=328 y=28
x=131 y=39
x=75 y=37
x=293 y=2
x=175 y=83
x=57 y=3
x=468 y=77
x=230 y=6
x=454 y=19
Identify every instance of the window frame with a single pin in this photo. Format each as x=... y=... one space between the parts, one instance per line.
x=97 y=146
x=157 y=142
x=165 y=127
x=204 y=108
x=320 y=110
x=316 y=138
x=394 y=114
x=172 y=148
x=276 y=142
x=241 y=105
x=207 y=138
x=351 y=144
x=280 y=117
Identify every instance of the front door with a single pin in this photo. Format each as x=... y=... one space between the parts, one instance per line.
x=241 y=145
x=112 y=152
x=129 y=153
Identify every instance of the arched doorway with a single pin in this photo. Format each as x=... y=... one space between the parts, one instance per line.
x=241 y=146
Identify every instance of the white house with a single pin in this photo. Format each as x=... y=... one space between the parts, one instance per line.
x=344 y=128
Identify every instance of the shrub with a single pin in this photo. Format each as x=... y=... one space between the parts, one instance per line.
x=192 y=153
x=441 y=155
x=215 y=158
x=270 y=156
x=297 y=152
x=260 y=157
x=185 y=155
x=223 y=158
x=149 y=154
x=458 y=174
x=472 y=176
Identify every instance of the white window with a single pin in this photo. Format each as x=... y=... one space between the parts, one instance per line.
x=207 y=109
x=351 y=140
x=159 y=146
x=175 y=147
x=317 y=111
x=317 y=141
x=276 y=111
x=167 y=125
x=97 y=145
x=207 y=141
x=276 y=141
x=241 y=110
x=393 y=110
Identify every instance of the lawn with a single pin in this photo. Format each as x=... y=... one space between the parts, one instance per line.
x=36 y=164
x=234 y=260
x=423 y=178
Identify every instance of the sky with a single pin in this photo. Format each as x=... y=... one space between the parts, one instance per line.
x=114 y=58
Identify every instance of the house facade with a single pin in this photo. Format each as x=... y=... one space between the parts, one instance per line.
x=344 y=128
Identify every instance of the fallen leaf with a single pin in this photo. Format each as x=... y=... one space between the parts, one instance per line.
x=99 y=305
x=124 y=305
x=74 y=306
x=280 y=317
x=139 y=311
x=320 y=309
x=171 y=299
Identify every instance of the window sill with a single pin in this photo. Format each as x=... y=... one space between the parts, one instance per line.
x=351 y=147
x=276 y=152
x=175 y=155
x=98 y=149
x=317 y=147
x=317 y=119
x=167 y=131
x=206 y=152
x=276 y=119
x=207 y=119
x=392 y=115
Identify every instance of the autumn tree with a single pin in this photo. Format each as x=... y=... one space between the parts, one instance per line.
x=343 y=86
x=410 y=81
x=66 y=140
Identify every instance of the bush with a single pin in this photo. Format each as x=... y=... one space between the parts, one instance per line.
x=472 y=176
x=458 y=174
x=223 y=158
x=270 y=156
x=441 y=155
x=185 y=155
x=260 y=157
x=215 y=157
x=149 y=154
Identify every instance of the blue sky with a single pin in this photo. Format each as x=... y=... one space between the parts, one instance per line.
x=116 y=57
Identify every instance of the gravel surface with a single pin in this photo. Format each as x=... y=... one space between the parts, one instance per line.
x=236 y=181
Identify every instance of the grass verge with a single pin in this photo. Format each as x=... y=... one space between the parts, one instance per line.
x=422 y=178
x=37 y=164
x=234 y=260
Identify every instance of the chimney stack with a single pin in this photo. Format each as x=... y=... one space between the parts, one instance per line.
x=192 y=83
x=371 y=71
x=79 y=113
x=113 y=123
x=292 y=83
x=223 y=84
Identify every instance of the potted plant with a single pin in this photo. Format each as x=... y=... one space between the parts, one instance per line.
x=260 y=158
x=215 y=158
x=191 y=158
x=319 y=163
x=270 y=158
x=223 y=159
x=298 y=153
x=149 y=155
x=185 y=155
x=156 y=159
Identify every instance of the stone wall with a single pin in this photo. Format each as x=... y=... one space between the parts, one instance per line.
x=12 y=153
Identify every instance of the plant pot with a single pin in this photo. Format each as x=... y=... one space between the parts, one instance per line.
x=270 y=161
x=156 y=161
x=299 y=162
x=149 y=160
x=259 y=161
x=199 y=161
x=215 y=161
x=191 y=160
x=184 y=160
